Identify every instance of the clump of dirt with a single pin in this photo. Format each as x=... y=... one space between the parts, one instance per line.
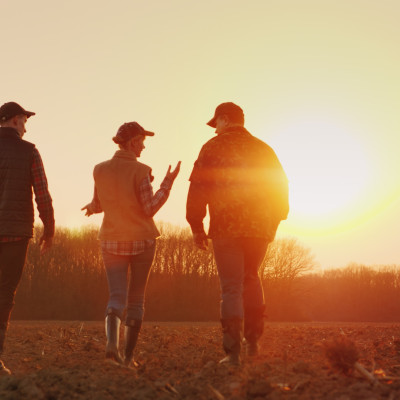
x=65 y=360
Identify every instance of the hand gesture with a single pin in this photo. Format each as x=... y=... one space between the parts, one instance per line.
x=172 y=175
x=89 y=209
x=45 y=244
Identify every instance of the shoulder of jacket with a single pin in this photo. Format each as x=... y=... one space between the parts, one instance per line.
x=100 y=165
x=261 y=144
x=143 y=166
x=28 y=144
x=210 y=142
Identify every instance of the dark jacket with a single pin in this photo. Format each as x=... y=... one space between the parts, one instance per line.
x=16 y=205
x=241 y=180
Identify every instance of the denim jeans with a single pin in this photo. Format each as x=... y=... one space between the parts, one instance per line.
x=238 y=261
x=12 y=261
x=124 y=295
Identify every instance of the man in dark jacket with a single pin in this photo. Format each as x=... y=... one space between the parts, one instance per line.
x=245 y=187
x=21 y=170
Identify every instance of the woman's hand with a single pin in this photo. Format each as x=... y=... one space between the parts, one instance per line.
x=89 y=209
x=172 y=175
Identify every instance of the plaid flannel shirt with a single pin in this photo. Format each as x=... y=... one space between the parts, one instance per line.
x=42 y=197
x=150 y=203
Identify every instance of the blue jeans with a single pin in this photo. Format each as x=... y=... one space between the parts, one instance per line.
x=126 y=295
x=238 y=261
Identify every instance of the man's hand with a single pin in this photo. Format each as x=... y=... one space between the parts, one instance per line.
x=45 y=244
x=200 y=240
x=172 y=175
x=89 y=209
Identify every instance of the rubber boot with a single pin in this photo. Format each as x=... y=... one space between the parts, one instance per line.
x=253 y=329
x=132 y=330
x=112 y=325
x=232 y=337
x=3 y=369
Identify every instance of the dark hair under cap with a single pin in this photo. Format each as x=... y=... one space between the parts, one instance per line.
x=128 y=130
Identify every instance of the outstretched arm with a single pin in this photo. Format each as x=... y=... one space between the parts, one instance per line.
x=94 y=207
x=150 y=202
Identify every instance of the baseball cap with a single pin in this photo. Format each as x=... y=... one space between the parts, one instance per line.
x=230 y=109
x=128 y=130
x=11 y=109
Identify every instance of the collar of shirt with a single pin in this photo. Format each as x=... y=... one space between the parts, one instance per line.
x=5 y=130
x=236 y=129
x=125 y=154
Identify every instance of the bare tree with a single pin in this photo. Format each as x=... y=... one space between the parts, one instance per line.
x=286 y=260
x=285 y=263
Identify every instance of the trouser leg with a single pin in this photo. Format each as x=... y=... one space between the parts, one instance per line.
x=230 y=264
x=140 y=265
x=12 y=261
x=116 y=267
x=253 y=295
x=140 y=270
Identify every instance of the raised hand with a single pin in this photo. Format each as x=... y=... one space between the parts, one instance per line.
x=172 y=175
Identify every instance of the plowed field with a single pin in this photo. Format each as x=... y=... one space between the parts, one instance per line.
x=65 y=360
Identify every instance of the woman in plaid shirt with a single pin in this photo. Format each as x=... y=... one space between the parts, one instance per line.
x=128 y=234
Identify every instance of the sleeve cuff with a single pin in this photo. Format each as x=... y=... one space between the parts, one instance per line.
x=166 y=184
x=197 y=227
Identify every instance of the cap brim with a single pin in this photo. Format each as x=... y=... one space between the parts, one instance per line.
x=148 y=133
x=212 y=122
x=29 y=113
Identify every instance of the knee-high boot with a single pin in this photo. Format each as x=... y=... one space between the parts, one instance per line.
x=132 y=330
x=3 y=369
x=232 y=337
x=112 y=325
x=253 y=329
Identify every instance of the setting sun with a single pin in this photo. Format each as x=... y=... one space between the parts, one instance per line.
x=327 y=166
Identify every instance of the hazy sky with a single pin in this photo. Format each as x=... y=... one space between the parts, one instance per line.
x=318 y=80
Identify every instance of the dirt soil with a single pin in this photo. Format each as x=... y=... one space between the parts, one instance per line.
x=65 y=360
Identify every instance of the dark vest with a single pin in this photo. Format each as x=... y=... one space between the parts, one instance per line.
x=16 y=205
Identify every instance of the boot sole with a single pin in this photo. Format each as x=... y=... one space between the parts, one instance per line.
x=110 y=355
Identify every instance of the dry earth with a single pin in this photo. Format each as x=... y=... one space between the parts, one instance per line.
x=65 y=360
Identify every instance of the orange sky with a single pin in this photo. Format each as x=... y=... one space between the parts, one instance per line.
x=318 y=81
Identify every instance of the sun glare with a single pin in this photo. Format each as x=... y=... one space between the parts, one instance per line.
x=327 y=169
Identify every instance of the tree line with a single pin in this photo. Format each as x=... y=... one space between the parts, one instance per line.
x=69 y=283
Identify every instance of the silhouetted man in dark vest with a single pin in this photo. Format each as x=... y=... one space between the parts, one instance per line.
x=242 y=182
x=21 y=170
